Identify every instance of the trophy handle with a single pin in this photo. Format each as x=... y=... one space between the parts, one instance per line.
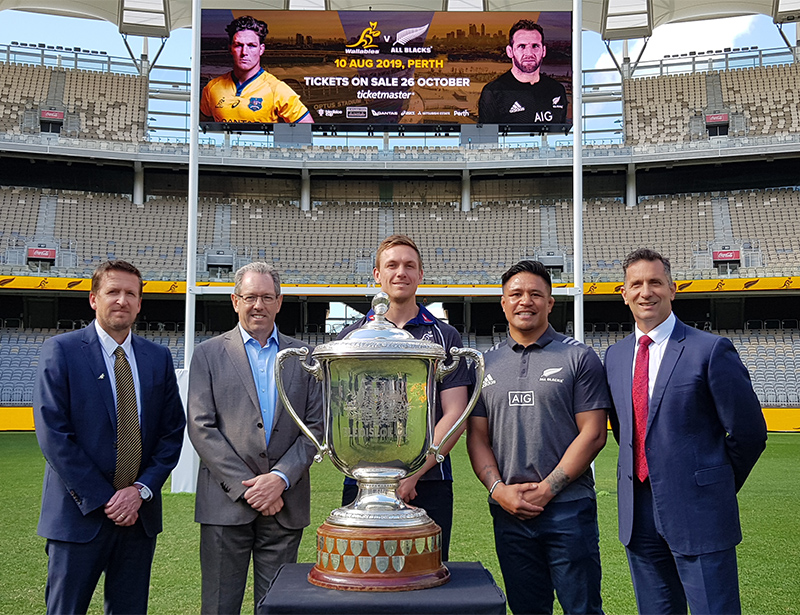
x=315 y=369
x=478 y=358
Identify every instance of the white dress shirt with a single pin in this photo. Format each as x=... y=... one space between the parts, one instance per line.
x=660 y=336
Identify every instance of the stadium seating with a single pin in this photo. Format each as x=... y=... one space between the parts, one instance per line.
x=777 y=214
x=96 y=105
x=343 y=233
x=771 y=355
x=768 y=96
x=23 y=87
x=659 y=110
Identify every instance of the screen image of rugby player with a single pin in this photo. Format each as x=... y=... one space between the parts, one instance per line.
x=387 y=67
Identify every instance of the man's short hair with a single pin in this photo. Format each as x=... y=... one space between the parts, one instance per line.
x=396 y=240
x=534 y=267
x=245 y=22
x=524 y=24
x=103 y=268
x=646 y=254
x=260 y=268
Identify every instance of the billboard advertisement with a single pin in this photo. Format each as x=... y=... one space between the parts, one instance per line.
x=386 y=67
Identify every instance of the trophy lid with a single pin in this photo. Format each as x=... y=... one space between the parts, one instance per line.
x=380 y=337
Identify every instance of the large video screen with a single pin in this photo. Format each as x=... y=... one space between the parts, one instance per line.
x=368 y=67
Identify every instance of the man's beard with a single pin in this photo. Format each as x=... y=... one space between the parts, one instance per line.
x=532 y=66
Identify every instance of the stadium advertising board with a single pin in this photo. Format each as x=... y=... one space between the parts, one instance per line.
x=386 y=67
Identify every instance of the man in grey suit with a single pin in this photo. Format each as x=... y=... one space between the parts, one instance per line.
x=253 y=491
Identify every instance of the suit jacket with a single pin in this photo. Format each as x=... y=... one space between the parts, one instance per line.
x=705 y=432
x=225 y=429
x=76 y=425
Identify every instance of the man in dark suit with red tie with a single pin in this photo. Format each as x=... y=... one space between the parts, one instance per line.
x=690 y=429
x=110 y=422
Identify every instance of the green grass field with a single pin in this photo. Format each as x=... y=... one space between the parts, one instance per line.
x=769 y=557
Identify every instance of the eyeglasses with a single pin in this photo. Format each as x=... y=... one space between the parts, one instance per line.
x=253 y=299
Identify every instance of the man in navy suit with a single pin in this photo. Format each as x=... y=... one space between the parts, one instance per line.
x=97 y=515
x=690 y=429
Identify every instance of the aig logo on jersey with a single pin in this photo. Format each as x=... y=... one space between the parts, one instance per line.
x=520 y=398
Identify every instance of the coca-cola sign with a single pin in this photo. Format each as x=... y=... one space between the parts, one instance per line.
x=717 y=118
x=47 y=114
x=726 y=255
x=42 y=253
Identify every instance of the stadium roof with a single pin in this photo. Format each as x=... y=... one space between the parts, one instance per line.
x=613 y=19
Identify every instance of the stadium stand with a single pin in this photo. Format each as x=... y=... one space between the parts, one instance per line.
x=768 y=96
x=106 y=226
x=774 y=215
x=354 y=203
x=99 y=226
x=759 y=101
x=95 y=105
x=23 y=87
x=658 y=109
x=108 y=105
x=771 y=355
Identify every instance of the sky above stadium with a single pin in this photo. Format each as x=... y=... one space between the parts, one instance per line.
x=669 y=39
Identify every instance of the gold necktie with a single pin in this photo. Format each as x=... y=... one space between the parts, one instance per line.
x=129 y=436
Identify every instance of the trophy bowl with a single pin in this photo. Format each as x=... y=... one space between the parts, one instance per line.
x=379 y=391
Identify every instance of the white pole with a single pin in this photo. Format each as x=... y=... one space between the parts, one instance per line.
x=184 y=476
x=191 y=227
x=577 y=165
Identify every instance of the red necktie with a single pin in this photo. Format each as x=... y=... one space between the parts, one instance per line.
x=641 y=392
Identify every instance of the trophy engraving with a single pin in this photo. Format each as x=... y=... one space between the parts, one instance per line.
x=379 y=387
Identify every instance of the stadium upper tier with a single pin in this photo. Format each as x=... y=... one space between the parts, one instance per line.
x=334 y=240
x=676 y=109
x=92 y=105
x=679 y=108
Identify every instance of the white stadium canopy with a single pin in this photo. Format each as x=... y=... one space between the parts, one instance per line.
x=613 y=19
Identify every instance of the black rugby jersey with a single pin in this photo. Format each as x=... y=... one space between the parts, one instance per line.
x=509 y=101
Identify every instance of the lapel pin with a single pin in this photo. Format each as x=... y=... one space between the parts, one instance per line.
x=101 y=376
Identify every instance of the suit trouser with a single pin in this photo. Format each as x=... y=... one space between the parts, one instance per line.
x=225 y=552
x=435 y=496
x=125 y=554
x=665 y=581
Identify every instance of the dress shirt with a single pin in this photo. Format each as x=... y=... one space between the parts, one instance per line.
x=660 y=336
x=262 y=364
x=109 y=345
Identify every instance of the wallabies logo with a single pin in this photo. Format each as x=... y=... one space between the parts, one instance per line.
x=368 y=36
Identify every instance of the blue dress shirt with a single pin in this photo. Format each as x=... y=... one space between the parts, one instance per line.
x=262 y=364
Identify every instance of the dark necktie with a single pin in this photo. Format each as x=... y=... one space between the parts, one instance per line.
x=129 y=436
x=641 y=390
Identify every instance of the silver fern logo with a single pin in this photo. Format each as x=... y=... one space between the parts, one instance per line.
x=409 y=34
x=547 y=375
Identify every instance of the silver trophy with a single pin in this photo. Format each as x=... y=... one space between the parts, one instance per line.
x=379 y=389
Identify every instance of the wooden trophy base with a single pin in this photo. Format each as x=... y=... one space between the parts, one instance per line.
x=383 y=559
